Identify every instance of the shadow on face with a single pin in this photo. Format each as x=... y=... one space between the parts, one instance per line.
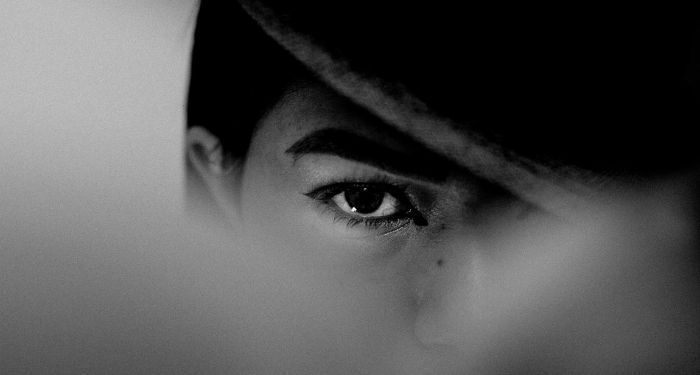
x=357 y=249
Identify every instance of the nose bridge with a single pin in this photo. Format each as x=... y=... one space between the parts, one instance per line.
x=446 y=289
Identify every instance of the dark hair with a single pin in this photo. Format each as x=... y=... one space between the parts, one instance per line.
x=237 y=74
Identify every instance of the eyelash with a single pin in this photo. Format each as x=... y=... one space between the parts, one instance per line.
x=324 y=194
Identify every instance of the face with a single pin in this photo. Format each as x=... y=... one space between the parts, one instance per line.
x=353 y=248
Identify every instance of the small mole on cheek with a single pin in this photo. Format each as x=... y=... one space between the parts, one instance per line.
x=439 y=262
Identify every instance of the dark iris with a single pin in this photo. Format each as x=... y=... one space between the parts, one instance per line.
x=364 y=200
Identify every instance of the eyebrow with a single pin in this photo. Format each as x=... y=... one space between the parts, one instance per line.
x=419 y=163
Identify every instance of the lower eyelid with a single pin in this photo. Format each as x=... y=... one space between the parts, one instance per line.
x=327 y=207
x=376 y=224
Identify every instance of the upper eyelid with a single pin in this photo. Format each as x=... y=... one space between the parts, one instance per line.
x=398 y=191
x=466 y=187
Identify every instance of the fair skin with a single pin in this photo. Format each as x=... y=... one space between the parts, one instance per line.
x=381 y=261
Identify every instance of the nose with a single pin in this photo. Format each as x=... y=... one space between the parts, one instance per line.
x=447 y=292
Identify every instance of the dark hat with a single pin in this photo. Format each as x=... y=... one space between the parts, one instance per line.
x=565 y=93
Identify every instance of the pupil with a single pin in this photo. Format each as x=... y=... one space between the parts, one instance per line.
x=364 y=200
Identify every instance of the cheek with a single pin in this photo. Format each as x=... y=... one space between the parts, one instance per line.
x=304 y=282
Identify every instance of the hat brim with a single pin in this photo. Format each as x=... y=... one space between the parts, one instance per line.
x=346 y=50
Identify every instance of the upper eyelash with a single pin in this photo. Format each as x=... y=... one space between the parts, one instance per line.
x=326 y=191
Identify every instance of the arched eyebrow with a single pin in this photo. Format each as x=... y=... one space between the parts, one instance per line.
x=415 y=161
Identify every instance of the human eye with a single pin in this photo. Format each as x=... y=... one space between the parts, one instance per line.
x=375 y=204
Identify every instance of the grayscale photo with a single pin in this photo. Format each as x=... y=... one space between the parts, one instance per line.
x=311 y=187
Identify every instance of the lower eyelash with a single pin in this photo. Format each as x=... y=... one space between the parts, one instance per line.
x=372 y=223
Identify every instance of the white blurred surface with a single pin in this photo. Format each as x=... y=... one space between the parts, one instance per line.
x=92 y=100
